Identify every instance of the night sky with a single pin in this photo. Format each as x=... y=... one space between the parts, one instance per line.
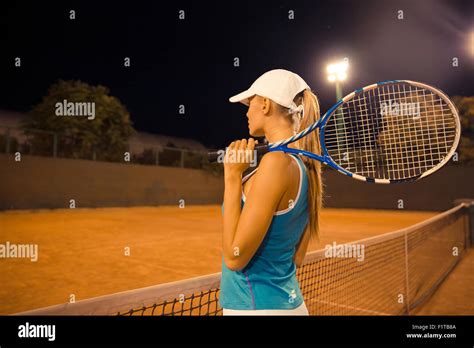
x=190 y=61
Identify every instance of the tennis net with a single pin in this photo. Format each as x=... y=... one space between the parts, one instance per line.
x=395 y=273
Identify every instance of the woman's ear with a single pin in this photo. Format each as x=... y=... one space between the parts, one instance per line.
x=266 y=105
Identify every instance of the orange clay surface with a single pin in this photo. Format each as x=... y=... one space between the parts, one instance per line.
x=83 y=251
x=455 y=296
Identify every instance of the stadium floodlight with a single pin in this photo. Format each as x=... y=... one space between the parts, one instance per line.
x=337 y=72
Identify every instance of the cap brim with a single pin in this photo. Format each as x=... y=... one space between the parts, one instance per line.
x=242 y=97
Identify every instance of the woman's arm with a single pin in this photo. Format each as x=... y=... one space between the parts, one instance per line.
x=244 y=230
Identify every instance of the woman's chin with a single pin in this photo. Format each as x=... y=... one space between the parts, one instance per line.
x=253 y=132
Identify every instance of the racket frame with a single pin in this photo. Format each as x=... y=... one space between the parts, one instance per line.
x=326 y=158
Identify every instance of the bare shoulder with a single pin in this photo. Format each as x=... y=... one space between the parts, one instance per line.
x=277 y=172
x=277 y=162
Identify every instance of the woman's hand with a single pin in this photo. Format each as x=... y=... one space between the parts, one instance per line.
x=238 y=157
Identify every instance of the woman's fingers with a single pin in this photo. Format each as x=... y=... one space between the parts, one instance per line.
x=251 y=144
x=243 y=144
x=230 y=148
x=239 y=149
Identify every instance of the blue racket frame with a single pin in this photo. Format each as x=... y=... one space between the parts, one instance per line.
x=326 y=158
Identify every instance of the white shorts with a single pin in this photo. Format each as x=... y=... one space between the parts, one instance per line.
x=301 y=310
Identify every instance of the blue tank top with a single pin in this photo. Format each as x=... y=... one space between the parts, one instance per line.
x=269 y=279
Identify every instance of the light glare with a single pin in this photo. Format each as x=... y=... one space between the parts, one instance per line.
x=338 y=71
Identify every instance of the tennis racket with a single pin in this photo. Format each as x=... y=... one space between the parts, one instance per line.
x=389 y=132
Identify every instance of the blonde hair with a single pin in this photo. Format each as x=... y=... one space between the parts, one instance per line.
x=311 y=143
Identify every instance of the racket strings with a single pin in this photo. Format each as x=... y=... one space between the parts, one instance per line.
x=394 y=131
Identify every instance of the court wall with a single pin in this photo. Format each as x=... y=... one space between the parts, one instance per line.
x=44 y=182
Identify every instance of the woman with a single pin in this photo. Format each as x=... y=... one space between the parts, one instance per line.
x=270 y=214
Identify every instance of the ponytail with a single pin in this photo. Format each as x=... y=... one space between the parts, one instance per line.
x=310 y=142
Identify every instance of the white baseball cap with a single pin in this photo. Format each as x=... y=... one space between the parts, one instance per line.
x=279 y=85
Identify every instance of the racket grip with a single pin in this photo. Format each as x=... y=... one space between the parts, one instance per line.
x=213 y=155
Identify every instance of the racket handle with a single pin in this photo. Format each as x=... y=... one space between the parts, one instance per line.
x=213 y=155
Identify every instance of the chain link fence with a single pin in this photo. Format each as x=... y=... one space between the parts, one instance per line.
x=54 y=144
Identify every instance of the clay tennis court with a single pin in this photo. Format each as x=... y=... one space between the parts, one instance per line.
x=82 y=252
